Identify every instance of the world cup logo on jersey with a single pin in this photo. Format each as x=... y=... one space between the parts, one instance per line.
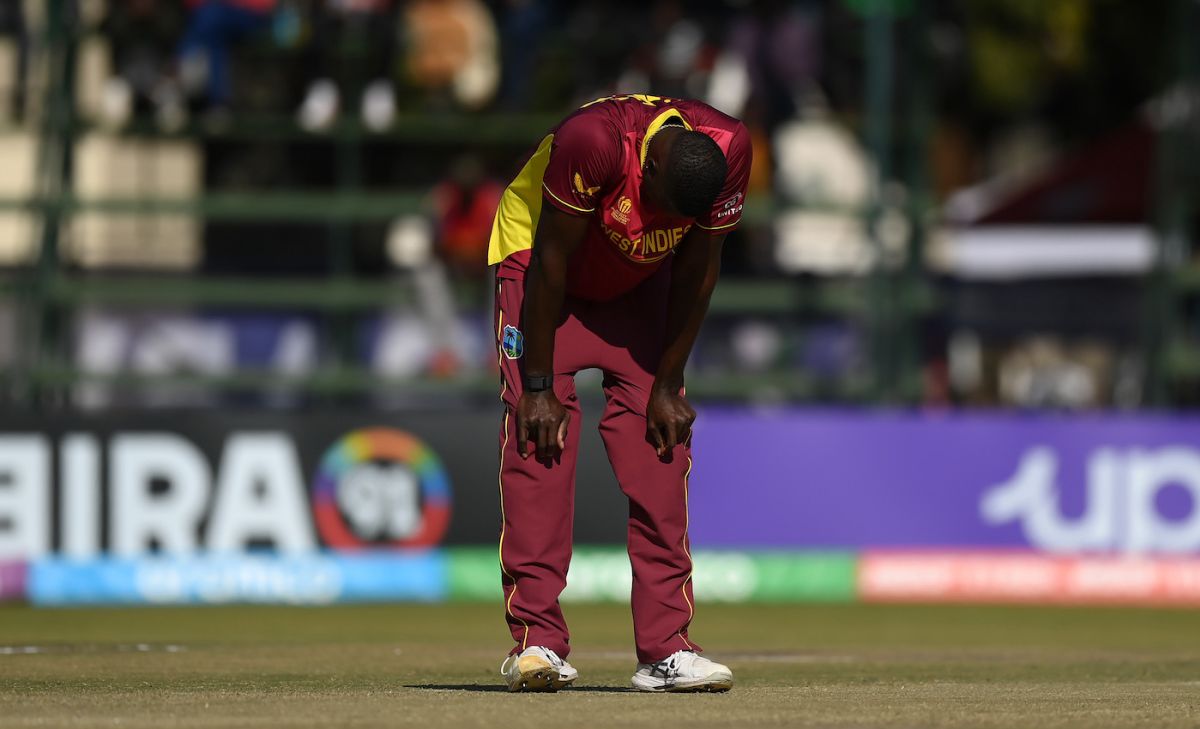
x=620 y=211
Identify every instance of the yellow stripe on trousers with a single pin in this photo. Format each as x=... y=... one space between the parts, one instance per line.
x=500 y=476
x=691 y=565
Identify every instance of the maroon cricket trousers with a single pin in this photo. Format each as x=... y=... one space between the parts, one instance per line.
x=624 y=339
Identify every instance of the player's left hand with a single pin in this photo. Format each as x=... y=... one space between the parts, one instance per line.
x=669 y=419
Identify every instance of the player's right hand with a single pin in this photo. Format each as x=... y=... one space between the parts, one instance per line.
x=542 y=419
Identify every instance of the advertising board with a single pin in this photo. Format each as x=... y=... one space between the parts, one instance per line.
x=1061 y=484
x=313 y=508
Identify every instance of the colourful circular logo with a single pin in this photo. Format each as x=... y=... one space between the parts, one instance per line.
x=381 y=487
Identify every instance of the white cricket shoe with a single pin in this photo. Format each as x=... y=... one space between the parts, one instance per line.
x=683 y=671
x=537 y=669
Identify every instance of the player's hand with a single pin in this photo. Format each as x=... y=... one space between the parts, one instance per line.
x=669 y=419
x=541 y=418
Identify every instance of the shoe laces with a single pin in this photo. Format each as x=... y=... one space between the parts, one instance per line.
x=670 y=666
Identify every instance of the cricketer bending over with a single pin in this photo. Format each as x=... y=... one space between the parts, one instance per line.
x=607 y=246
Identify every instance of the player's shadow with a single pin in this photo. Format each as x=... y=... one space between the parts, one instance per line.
x=499 y=688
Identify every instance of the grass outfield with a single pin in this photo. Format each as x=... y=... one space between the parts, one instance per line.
x=859 y=666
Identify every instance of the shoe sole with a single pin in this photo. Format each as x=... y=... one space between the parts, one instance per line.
x=536 y=675
x=707 y=687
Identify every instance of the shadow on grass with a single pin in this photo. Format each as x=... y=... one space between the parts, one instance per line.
x=501 y=689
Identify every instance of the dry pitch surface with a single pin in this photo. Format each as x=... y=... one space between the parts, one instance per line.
x=435 y=666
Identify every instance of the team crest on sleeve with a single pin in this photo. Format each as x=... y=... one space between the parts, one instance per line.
x=584 y=189
x=512 y=342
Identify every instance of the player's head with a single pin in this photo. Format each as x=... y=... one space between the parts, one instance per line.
x=683 y=173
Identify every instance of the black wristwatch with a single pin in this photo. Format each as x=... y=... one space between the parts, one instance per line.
x=539 y=383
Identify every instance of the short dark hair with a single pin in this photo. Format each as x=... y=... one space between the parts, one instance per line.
x=695 y=173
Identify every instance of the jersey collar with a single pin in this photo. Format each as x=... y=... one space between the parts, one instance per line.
x=656 y=124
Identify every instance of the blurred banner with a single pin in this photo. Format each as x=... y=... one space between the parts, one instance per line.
x=12 y=580
x=598 y=574
x=602 y=574
x=928 y=576
x=193 y=482
x=313 y=579
x=210 y=507
x=1058 y=483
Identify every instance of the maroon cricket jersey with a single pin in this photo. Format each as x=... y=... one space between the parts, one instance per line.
x=591 y=164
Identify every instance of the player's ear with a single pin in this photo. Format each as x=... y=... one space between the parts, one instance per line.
x=650 y=167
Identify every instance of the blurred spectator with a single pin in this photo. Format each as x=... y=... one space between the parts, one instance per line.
x=452 y=52
x=772 y=55
x=521 y=30
x=465 y=203
x=1047 y=372
x=674 y=58
x=353 y=41
x=143 y=35
x=438 y=347
x=214 y=25
x=12 y=93
x=593 y=61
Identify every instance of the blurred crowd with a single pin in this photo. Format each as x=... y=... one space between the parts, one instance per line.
x=1006 y=85
x=1005 y=116
x=373 y=57
x=173 y=57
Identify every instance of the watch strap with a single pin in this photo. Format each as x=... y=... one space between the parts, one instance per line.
x=538 y=383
